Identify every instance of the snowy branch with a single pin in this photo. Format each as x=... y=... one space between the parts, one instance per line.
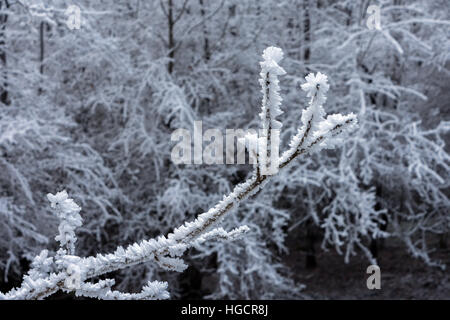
x=69 y=272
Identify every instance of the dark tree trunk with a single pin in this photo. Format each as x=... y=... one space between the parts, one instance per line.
x=171 y=42
x=311 y=262
x=41 y=47
x=306 y=31
x=206 y=50
x=42 y=28
x=376 y=245
x=4 y=96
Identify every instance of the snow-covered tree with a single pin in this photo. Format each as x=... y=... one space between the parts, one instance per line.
x=91 y=111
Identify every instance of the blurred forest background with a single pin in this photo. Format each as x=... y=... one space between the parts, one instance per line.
x=91 y=110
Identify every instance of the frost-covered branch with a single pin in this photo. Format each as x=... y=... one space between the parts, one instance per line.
x=69 y=272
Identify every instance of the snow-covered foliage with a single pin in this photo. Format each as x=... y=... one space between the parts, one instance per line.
x=91 y=111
